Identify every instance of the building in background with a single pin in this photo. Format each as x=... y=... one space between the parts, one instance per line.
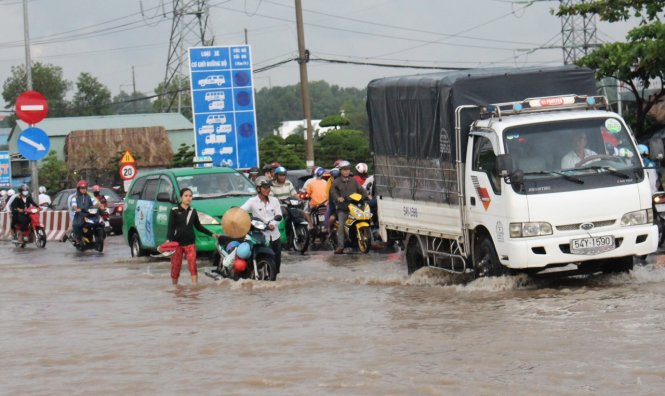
x=299 y=126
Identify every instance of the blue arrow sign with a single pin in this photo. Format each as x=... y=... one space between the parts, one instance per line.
x=33 y=144
x=223 y=105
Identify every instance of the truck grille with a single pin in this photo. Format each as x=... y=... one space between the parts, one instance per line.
x=576 y=226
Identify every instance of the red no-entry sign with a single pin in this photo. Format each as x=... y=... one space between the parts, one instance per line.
x=31 y=107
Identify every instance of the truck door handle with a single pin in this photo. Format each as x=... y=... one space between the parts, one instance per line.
x=473 y=201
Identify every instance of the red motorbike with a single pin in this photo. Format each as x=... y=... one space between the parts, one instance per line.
x=34 y=232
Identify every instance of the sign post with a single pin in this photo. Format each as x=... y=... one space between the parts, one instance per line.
x=33 y=143
x=223 y=105
x=127 y=169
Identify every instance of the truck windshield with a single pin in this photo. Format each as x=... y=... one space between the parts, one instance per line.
x=217 y=185
x=571 y=148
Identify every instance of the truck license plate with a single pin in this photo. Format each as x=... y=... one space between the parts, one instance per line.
x=593 y=245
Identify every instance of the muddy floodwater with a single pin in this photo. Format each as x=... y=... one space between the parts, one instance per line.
x=86 y=323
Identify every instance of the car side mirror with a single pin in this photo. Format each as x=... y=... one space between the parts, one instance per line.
x=504 y=165
x=164 y=197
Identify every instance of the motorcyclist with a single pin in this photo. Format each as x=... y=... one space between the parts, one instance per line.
x=317 y=190
x=81 y=201
x=331 y=215
x=253 y=173
x=311 y=178
x=22 y=202
x=44 y=199
x=269 y=170
x=361 y=173
x=282 y=188
x=650 y=168
x=97 y=193
x=342 y=187
x=265 y=207
x=11 y=195
x=3 y=199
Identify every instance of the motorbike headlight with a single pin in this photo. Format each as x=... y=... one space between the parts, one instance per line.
x=206 y=219
x=638 y=217
x=532 y=229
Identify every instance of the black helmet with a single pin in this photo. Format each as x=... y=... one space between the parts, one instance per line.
x=24 y=187
x=253 y=170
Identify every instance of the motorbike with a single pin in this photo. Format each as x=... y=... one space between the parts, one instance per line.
x=34 y=232
x=297 y=228
x=93 y=231
x=320 y=230
x=259 y=264
x=659 y=215
x=357 y=228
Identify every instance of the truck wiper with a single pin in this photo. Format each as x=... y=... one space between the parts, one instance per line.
x=565 y=176
x=609 y=170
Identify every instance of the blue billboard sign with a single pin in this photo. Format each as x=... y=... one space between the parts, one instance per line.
x=5 y=169
x=223 y=105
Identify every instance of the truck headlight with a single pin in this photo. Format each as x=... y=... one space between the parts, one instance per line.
x=524 y=230
x=206 y=219
x=637 y=218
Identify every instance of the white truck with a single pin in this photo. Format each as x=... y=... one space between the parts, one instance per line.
x=493 y=170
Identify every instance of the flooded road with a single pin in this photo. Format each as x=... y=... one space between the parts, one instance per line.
x=73 y=323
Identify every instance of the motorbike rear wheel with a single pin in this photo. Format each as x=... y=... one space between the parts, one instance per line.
x=364 y=240
x=266 y=268
x=99 y=239
x=40 y=237
x=301 y=239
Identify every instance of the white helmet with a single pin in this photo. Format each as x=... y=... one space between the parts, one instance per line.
x=42 y=189
x=11 y=192
x=361 y=168
x=3 y=193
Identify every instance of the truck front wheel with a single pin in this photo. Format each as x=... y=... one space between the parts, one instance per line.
x=617 y=265
x=415 y=259
x=485 y=260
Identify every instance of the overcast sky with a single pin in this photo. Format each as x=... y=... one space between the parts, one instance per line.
x=107 y=37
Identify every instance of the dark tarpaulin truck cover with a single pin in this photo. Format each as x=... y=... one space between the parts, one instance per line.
x=412 y=121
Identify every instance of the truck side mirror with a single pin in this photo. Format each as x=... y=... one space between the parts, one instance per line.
x=504 y=165
x=164 y=197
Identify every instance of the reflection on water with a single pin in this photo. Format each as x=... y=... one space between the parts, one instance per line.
x=349 y=324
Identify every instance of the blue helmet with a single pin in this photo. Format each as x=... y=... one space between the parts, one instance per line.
x=244 y=251
x=320 y=172
x=643 y=149
x=232 y=245
x=280 y=170
x=334 y=172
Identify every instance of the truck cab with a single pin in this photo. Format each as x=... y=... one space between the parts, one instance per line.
x=554 y=182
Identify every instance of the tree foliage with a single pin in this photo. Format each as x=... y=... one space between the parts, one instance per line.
x=347 y=144
x=334 y=121
x=91 y=97
x=638 y=62
x=184 y=157
x=54 y=173
x=46 y=79
x=168 y=97
x=275 y=149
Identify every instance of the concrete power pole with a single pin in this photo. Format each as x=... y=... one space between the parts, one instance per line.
x=578 y=34
x=303 y=58
x=34 y=172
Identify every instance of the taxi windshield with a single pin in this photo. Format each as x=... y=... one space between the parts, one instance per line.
x=217 y=185
x=571 y=147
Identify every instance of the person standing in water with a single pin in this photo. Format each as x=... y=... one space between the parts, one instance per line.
x=182 y=222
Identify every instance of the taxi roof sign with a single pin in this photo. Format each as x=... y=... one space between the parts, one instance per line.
x=127 y=158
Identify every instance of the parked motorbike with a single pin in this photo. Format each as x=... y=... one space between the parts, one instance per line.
x=659 y=215
x=93 y=231
x=248 y=258
x=33 y=233
x=296 y=225
x=357 y=229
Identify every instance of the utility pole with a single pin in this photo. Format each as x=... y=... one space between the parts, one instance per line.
x=134 y=89
x=303 y=58
x=28 y=84
x=246 y=42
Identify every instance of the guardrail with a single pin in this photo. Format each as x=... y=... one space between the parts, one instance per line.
x=55 y=223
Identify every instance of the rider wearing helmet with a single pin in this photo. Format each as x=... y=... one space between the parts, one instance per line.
x=11 y=195
x=317 y=189
x=361 y=173
x=650 y=167
x=22 y=202
x=342 y=187
x=80 y=202
x=266 y=208
x=44 y=199
x=253 y=173
x=97 y=193
x=282 y=188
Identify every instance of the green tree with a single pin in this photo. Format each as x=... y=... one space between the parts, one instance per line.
x=168 y=97
x=274 y=149
x=335 y=120
x=91 y=97
x=184 y=157
x=347 y=144
x=638 y=62
x=46 y=79
x=134 y=103
x=54 y=173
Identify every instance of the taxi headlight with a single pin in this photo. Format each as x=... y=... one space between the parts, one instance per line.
x=206 y=219
x=637 y=218
x=524 y=230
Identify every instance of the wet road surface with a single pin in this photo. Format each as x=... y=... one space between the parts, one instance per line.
x=82 y=323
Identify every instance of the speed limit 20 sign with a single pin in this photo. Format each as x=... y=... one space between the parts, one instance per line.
x=127 y=171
